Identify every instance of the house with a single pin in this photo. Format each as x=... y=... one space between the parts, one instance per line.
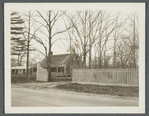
x=18 y=70
x=63 y=64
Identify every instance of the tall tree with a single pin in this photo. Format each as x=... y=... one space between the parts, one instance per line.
x=29 y=34
x=49 y=24
x=18 y=43
x=131 y=39
x=85 y=31
x=105 y=29
x=116 y=35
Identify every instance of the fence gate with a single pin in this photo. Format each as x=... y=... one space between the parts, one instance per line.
x=42 y=74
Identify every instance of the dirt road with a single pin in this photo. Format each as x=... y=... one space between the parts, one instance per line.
x=23 y=97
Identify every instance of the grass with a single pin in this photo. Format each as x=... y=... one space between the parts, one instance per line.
x=101 y=89
x=57 y=79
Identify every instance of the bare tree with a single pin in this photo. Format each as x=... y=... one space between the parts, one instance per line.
x=85 y=31
x=28 y=34
x=107 y=27
x=131 y=39
x=122 y=54
x=116 y=35
x=49 y=23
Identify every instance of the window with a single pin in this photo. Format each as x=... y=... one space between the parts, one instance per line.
x=53 y=69
x=61 y=69
x=13 y=71
x=23 y=71
x=34 y=69
x=16 y=71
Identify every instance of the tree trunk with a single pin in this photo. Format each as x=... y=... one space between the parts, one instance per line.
x=84 y=54
x=100 y=52
x=134 y=59
x=90 y=42
x=90 y=61
x=28 y=48
x=49 y=55
x=84 y=59
x=18 y=61
x=100 y=63
x=114 y=56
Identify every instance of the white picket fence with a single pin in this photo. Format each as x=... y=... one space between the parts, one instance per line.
x=121 y=76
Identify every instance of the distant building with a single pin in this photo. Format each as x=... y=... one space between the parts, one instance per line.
x=18 y=70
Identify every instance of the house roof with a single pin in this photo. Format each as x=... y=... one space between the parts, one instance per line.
x=56 y=60
x=19 y=67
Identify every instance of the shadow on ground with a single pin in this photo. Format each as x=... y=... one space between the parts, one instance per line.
x=101 y=89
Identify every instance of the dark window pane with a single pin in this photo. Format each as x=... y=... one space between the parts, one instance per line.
x=53 y=69
x=23 y=71
x=16 y=71
x=61 y=69
x=35 y=69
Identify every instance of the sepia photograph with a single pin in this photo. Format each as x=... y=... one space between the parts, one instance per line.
x=74 y=57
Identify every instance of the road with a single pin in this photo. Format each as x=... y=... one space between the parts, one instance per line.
x=23 y=97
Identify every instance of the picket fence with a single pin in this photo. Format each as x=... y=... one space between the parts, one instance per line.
x=115 y=76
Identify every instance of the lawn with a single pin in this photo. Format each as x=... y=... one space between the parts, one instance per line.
x=101 y=89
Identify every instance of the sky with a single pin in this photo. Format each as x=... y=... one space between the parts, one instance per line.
x=59 y=47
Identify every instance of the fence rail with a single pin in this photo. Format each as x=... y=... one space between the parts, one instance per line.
x=122 y=76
